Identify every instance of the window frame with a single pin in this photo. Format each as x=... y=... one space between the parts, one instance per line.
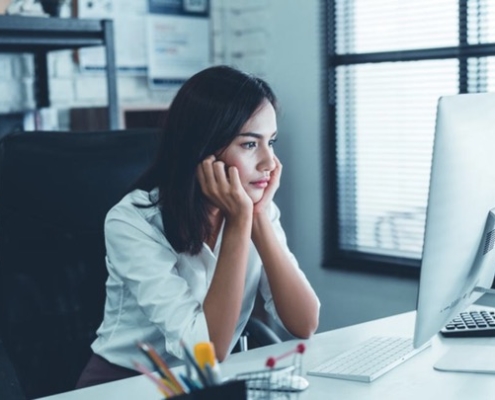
x=333 y=255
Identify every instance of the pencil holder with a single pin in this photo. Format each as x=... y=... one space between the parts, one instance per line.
x=226 y=391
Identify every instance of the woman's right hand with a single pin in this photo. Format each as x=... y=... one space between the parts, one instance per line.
x=223 y=302
x=223 y=188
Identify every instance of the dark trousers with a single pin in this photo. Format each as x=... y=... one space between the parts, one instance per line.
x=98 y=370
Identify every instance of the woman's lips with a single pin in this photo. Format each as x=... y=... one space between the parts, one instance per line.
x=261 y=184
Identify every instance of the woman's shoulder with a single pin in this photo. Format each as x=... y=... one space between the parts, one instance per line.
x=141 y=198
x=136 y=220
x=137 y=205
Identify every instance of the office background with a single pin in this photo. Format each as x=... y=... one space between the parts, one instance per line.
x=289 y=56
x=294 y=67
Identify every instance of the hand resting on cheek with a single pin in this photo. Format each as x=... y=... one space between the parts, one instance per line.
x=222 y=186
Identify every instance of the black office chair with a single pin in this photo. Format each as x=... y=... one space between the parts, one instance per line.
x=55 y=190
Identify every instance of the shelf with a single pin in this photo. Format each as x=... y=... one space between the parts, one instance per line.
x=31 y=34
x=40 y=35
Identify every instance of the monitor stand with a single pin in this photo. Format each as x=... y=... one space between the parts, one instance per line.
x=468 y=358
x=483 y=290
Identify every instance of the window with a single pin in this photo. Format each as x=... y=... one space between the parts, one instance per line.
x=388 y=63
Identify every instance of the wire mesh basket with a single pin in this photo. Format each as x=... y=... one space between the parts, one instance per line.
x=278 y=380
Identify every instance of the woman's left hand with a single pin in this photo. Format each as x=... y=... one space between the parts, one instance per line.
x=262 y=205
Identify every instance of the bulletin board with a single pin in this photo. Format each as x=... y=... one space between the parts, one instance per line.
x=165 y=40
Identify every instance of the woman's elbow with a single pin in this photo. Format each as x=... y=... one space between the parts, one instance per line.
x=306 y=330
x=311 y=329
x=221 y=353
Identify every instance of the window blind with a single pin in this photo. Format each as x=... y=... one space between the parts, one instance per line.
x=391 y=62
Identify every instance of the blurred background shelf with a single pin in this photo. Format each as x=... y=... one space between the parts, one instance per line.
x=40 y=35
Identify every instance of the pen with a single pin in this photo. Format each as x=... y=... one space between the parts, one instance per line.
x=210 y=375
x=204 y=352
x=192 y=362
x=189 y=383
x=163 y=370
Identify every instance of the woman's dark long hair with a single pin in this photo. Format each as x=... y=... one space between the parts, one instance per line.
x=205 y=116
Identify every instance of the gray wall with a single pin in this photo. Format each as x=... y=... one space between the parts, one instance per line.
x=294 y=70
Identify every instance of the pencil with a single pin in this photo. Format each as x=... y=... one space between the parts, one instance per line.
x=161 y=386
x=161 y=366
x=169 y=385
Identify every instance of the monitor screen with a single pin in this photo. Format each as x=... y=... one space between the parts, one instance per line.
x=458 y=257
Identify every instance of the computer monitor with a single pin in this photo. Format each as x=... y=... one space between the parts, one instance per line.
x=458 y=261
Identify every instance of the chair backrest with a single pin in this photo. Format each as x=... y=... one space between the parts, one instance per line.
x=55 y=190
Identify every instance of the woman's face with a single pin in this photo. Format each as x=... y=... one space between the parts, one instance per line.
x=252 y=151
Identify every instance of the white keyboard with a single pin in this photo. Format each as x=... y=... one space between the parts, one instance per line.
x=368 y=360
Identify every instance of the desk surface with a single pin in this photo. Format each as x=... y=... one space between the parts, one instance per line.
x=415 y=379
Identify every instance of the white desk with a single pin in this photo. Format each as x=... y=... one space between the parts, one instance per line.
x=415 y=379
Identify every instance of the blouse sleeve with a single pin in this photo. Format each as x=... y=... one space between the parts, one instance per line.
x=145 y=261
x=264 y=285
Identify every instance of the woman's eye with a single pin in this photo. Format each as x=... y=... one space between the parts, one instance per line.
x=273 y=141
x=249 y=145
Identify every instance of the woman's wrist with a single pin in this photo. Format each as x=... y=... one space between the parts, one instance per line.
x=241 y=219
x=261 y=221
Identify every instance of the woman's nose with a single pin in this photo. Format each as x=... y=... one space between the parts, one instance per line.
x=267 y=162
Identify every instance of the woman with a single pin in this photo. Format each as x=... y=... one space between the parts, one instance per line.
x=189 y=247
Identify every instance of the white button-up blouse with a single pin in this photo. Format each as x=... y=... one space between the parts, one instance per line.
x=154 y=294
